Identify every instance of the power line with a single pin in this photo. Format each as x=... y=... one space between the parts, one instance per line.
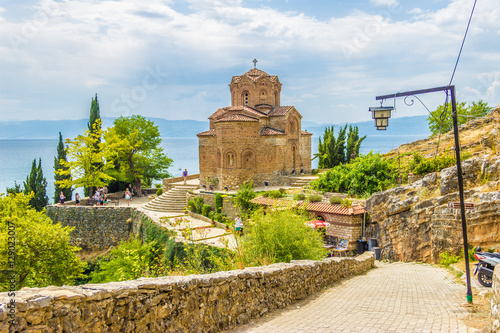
x=463 y=41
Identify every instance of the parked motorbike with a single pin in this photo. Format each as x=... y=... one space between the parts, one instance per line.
x=485 y=266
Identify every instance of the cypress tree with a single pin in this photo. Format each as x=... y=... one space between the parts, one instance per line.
x=37 y=184
x=61 y=155
x=353 y=143
x=95 y=114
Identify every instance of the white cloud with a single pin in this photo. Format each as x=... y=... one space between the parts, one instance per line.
x=385 y=2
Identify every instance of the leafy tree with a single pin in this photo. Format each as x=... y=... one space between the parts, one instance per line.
x=280 y=236
x=326 y=149
x=365 y=175
x=43 y=255
x=133 y=147
x=61 y=155
x=440 y=120
x=85 y=163
x=37 y=184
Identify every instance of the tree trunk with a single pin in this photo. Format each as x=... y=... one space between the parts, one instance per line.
x=137 y=183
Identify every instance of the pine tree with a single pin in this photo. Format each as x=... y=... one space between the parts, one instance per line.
x=37 y=184
x=333 y=151
x=61 y=155
x=339 y=149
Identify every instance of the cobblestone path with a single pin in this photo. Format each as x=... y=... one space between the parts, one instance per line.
x=399 y=297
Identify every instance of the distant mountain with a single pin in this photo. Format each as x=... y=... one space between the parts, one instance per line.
x=49 y=129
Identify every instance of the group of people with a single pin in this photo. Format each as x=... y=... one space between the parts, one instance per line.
x=101 y=196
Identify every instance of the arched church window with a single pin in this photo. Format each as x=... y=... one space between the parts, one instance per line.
x=293 y=126
x=230 y=160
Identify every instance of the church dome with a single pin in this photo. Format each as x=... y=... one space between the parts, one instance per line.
x=255 y=89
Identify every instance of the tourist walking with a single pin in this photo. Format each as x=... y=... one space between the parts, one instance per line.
x=61 y=198
x=185 y=175
x=128 y=195
x=77 y=199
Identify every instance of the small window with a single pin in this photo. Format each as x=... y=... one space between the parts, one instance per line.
x=246 y=99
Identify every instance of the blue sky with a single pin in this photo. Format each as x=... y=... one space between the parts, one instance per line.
x=174 y=59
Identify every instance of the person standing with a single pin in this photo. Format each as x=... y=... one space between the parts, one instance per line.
x=185 y=175
x=61 y=198
x=128 y=195
x=77 y=199
x=238 y=227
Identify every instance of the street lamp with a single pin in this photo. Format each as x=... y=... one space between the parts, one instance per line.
x=381 y=114
x=384 y=119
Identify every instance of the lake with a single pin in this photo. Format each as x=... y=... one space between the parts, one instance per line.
x=16 y=156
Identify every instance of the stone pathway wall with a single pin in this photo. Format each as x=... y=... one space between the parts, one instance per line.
x=195 y=303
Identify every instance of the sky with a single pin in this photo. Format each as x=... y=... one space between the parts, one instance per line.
x=174 y=59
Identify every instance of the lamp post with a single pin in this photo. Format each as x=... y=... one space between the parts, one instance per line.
x=381 y=118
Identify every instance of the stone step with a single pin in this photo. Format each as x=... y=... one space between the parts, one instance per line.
x=174 y=200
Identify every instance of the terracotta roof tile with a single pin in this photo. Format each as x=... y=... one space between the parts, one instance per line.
x=220 y=112
x=207 y=133
x=305 y=133
x=235 y=117
x=254 y=74
x=280 y=111
x=320 y=207
x=271 y=131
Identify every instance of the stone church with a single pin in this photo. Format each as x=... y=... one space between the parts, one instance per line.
x=255 y=138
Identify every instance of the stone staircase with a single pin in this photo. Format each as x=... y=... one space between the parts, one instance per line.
x=303 y=181
x=172 y=201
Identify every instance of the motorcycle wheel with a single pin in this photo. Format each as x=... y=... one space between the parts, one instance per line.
x=484 y=280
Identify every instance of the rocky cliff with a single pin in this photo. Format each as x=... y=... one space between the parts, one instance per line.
x=416 y=219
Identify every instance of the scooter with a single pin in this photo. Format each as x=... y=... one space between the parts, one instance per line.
x=485 y=266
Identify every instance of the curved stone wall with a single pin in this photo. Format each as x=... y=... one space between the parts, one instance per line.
x=195 y=303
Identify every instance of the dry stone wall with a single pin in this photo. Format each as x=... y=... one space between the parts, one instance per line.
x=195 y=303
x=96 y=227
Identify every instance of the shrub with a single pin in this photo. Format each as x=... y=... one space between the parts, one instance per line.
x=159 y=192
x=335 y=200
x=191 y=206
x=218 y=202
x=280 y=236
x=205 y=210
x=299 y=196
x=198 y=204
x=346 y=203
x=243 y=197
x=315 y=197
x=447 y=259
x=275 y=194
x=364 y=175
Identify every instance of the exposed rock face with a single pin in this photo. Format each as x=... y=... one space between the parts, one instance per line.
x=195 y=303
x=416 y=219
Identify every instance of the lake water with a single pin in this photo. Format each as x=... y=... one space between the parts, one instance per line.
x=16 y=156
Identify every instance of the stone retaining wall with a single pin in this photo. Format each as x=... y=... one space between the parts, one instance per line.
x=96 y=228
x=195 y=303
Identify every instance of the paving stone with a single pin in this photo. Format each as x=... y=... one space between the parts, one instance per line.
x=398 y=297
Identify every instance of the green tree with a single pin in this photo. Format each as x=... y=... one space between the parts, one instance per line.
x=37 y=184
x=353 y=143
x=133 y=147
x=14 y=189
x=94 y=126
x=42 y=252
x=364 y=176
x=243 y=197
x=61 y=155
x=85 y=164
x=333 y=151
x=280 y=236
x=440 y=120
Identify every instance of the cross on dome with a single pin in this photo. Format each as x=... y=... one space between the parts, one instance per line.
x=254 y=63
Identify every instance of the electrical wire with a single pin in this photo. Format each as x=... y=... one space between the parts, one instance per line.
x=463 y=42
